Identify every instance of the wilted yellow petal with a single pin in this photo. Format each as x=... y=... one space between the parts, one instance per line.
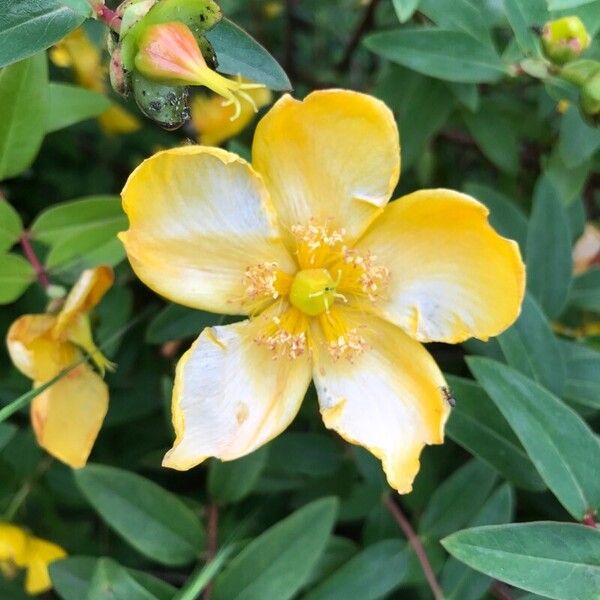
x=77 y=51
x=451 y=275
x=198 y=217
x=231 y=397
x=335 y=155
x=116 y=120
x=33 y=349
x=68 y=415
x=40 y=553
x=586 y=252
x=389 y=398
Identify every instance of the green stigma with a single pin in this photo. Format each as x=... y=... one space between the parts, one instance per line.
x=313 y=291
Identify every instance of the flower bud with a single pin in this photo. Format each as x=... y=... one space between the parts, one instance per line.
x=565 y=39
x=590 y=98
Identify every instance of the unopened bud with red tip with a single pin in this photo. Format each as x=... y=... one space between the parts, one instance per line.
x=169 y=53
x=565 y=39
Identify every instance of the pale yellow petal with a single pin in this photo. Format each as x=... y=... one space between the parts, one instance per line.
x=116 y=120
x=84 y=295
x=34 y=351
x=40 y=553
x=231 y=396
x=67 y=417
x=199 y=217
x=389 y=399
x=452 y=276
x=335 y=155
x=13 y=541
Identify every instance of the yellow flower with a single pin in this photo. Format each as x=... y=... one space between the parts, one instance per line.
x=68 y=415
x=340 y=286
x=212 y=121
x=19 y=549
x=76 y=51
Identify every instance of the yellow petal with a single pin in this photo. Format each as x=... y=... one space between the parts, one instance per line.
x=40 y=553
x=452 y=276
x=13 y=541
x=198 y=218
x=67 y=416
x=116 y=120
x=84 y=295
x=231 y=396
x=389 y=399
x=34 y=351
x=334 y=155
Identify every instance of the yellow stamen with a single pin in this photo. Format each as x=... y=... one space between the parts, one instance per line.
x=342 y=341
x=285 y=335
x=317 y=243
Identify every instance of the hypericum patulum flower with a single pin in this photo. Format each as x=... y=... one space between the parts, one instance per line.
x=212 y=121
x=68 y=415
x=339 y=285
x=19 y=549
x=77 y=51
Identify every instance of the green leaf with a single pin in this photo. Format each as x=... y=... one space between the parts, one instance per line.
x=496 y=138
x=548 y=252
x=278 y=562
x=556 y=560
x=71 y=578
x=232 y=481
x=175 y=322
x=23 y=97
x=457 y=15
x=561 y=445
x=7 y=431
x=152 y=520
x=372 y=573
x=28 y=26
x=439 y=53
x=11 y=225
x=531 y=347
x=518 y=15
x=466 y=93
x=405 y=9
x=478 y=426
x=110 y=581
x=338 y=551
x=16 y=275
x=239 y=53
x=567 y=181
x=578 y=140
x=458 y=581
x=583 y=373
x=585 y=291
x=567 y=4
x=447 y=510
x=505 y=216
x=70 y=104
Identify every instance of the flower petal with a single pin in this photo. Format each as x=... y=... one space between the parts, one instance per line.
x=40 y=554
x=34 y=351
x=336 y=154
x=231 y=397
x=13 y=542
x=389 y=399
x=68 y=415
x=198 y=218
x=452 y=276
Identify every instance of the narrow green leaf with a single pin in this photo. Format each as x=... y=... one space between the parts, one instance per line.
x=405 y=9
x=567 y=4
x=11 y=225
x=111 y=581
x=578 y=140
x=583 y=373
x=175 y=322
x=28 y=26
x=466 y=93
x=16 y=275
x=338 y=551
x=447 y=510
x=70 y=104
x=439 y=53
x=152 y=520
x=556 y=560
x=23 y=97
x=239 y=53
x=585 y=292
x=232 y=481
x=479 y=427
x=505 y=216
x=531 y=347
x=372 y=573
x=278 y=562
x=548 y=253
x=7 y=431
x=518 y=17
x=564 y=450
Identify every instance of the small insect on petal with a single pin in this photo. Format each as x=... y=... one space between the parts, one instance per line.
x=448 y=397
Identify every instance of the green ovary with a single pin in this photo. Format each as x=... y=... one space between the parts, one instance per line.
x=313 y=291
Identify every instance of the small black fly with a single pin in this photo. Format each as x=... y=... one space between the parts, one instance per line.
x=448 y=397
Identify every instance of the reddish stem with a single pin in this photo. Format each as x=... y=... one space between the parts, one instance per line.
x=212 y=533
x=415 y=542
x=589 y=520
x=31 y=256
x=106 y=15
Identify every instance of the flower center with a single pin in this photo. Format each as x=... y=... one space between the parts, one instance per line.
x=313 y=291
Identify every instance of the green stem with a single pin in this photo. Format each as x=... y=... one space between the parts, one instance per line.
x=21 y=495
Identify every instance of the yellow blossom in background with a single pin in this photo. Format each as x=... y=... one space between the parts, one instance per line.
x=339 y=285
x=212 y=120
x=586 y=253
x=20 y=550
x=77 y=52
x=68 y=415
